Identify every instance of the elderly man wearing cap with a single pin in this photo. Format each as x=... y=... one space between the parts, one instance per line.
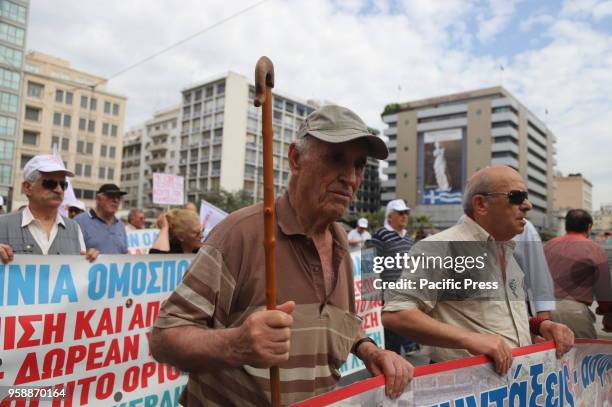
x=358 y=236
x=101 y=229
x=215 y=325
x=39 y=228
x=390 y=240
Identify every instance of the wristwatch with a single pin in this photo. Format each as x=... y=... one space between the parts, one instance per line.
x=360 y=341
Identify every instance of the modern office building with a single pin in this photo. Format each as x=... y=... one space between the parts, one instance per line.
x=436 y=144
x=72 y=110
x=220 y=139
x=13 y=29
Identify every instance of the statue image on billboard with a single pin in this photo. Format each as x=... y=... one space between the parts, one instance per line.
x=442 y=167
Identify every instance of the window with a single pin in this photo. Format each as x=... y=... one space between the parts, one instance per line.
x=12 y=34
x=30 y=137
x=59 y=95
x=5 y=174
x=67 y=120
x=115 y=109
x=82 y=124
x=69 y=97
x=8 y=102
x=107 y=107
x=93 y=104
x=111 y=152
x=78 y=169
x=65 y=144
x=88 y=193
x=105 y=129
x=80 y=146
x=32 y=114
x=102 y=172
x=24 y=159
x=221 y=88
x=9 y=79
x=114 y=130
x=13 y=11
x=91 y=126
x=6 y=149
x=11 y=56
x=7 y=126
x=103 y=149
x=110 y=174
x=57 y=119
x=90 y=148
x=87 y=172
x=84 y=102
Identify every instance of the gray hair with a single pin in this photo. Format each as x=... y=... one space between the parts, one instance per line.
x=304 y=144
x=132 y=213
x=476 y=185
x=33 y=176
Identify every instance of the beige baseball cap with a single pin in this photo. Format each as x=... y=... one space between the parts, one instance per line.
x=337 y=124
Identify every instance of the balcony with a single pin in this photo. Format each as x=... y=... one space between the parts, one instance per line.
x=159 y=146
x=505 y=146
x=510 y=161
x=505 y=132
x=158 y=160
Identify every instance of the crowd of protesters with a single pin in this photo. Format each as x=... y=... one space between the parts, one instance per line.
x=562 y=278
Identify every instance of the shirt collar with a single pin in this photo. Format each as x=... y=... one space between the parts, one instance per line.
x=390 y=229
x=27 y=217
x=480 y=233
x=92 y=214
x=286 y=217
x=287 y=220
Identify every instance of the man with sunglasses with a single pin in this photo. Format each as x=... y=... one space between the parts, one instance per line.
x=39 y=228
x=101 y=228
x=462 y=322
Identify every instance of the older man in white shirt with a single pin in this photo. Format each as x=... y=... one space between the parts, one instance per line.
x=39 y=228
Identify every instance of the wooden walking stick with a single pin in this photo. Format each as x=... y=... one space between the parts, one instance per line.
x=264 y=82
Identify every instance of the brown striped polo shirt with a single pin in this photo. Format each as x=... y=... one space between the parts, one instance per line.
x=226 y=283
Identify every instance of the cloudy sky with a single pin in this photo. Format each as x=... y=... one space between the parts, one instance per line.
x=557 y=55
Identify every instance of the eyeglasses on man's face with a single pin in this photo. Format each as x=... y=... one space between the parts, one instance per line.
x=515 y=197
x=51 y=184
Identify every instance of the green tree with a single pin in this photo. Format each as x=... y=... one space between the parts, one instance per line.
x=228 y=201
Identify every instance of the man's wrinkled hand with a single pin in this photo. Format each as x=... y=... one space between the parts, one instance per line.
x=398 y=371
x=6 y=253
x=91 y=255
x=561 y=334
x=263 y=339
x=494 y=346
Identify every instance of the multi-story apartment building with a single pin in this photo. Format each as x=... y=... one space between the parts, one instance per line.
x=73 y=111
x=436 y=144
x=162 y=148
x=221 y=143
x=13 y=28
x=133 y=167
x=149 y=148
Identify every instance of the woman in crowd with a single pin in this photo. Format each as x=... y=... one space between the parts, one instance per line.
x=180 y=231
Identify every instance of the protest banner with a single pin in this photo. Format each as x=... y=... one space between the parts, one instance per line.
x=168 y=189
x=141 y=240
x=582 y=377
x=210 y=215
x=84 y=328
x=368 y=310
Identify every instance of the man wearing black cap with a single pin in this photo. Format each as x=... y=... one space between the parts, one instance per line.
x=101 y=229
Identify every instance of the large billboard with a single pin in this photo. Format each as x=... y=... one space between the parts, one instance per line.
x=442 y=167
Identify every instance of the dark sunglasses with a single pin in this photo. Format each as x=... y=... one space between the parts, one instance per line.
x=515 y=196
x=402 y=212
x=52 y=184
